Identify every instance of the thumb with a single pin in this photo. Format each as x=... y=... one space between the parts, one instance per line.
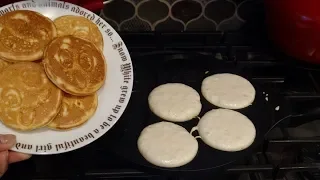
x=3 y=162
x=7 y=141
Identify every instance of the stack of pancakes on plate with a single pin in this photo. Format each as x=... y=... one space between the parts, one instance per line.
x=50 y=71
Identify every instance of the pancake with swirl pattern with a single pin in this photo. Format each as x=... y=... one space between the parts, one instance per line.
x=28 y=99
x=75 y=111
x=24 y=35
x=80 y=27
x=75 y=65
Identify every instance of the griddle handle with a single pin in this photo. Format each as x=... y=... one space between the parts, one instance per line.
x=313 y=113
x=294 y=120
x=302 y=118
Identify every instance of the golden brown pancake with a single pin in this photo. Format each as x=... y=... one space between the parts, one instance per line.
x=28 y=99
x=75 y=111
x=80 y=27
x=24 y=35
x=75 y=65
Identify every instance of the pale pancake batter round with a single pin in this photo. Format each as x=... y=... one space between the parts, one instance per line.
x=75 y=65
x=28 y=99
x=166 y=144
x=228 y=91
x=24 y=35
x=226 y=130
x=80 y=27
x=75 y=111
x=175 y=102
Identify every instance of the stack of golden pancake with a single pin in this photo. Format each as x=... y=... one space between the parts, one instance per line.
x=50 y=71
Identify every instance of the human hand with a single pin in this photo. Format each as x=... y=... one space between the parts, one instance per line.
x=7 y=156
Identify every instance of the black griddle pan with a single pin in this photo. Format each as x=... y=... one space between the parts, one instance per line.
x=156 y=69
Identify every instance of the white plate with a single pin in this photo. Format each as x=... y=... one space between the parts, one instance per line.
x=113 y=96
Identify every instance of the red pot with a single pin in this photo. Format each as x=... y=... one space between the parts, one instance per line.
x=294 y=26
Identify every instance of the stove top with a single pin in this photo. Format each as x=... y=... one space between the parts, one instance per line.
x=290 y=151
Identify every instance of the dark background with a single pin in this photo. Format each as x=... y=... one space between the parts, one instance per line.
x=184 y=15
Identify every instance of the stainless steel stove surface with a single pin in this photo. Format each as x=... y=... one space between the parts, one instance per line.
x=290 y=151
